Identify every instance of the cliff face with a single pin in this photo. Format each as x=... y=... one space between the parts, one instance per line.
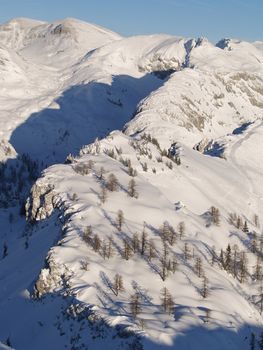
x=41 y=202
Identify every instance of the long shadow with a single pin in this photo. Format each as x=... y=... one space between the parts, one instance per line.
x=81 y=114
x=210 y=337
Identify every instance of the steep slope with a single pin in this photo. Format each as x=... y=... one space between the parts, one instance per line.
x=96 y=244
x=151 y=237
x=37 y=64
x=221 y=91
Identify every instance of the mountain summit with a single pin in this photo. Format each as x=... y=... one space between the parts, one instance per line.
x=131 y=197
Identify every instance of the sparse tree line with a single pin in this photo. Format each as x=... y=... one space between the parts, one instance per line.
x=109 y=183
x=235 y=261
x=162 y=261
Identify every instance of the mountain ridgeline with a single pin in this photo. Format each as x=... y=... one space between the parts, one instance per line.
x=131 y=199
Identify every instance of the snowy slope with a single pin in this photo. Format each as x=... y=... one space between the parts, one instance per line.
x=198 y=183
x=187 y=116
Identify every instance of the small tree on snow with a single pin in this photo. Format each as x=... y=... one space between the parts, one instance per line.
x=181 y=229
x=127 y=250
x=245 y=228
x=112 y=183
x=119 y=220
x=107 y=249
x=207 y=316
x=84 y=264
x=167 y=301
x=135 y=243
x=117 y=284
x=187 y=252
x=135 y=304
x=101 y=173
x=204 y=289
x=198 y=266
x=228 y=259
x=243 y=267
x=96 y=243
x=235 y=260
x=144 y=242
x=103 y=194
x=164 y=262
x=132 y=189
x=239 y=223
x=87 y=235
x=258 y=270
x=215 y=215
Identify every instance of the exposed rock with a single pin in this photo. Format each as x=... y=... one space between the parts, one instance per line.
x=41 y=202
x=50 y=278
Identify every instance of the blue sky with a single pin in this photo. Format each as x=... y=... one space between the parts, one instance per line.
x=214 y=19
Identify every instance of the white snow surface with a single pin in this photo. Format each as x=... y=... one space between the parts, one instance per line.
x=65 y=83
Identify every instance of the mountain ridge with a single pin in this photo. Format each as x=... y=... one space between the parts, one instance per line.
x=143 y=225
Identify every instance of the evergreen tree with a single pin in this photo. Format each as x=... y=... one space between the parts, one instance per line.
x=127 y=251
x=135 y=243
x=245 y=228
x=243 y=267
x=164 y=262
x=167 y=301
x=181 y=229
x=204 y=289
x=207 y=316
x=132 y=189
x=135 y=304
x=198 y=266
x=187 y=252
x=118 y=284
x=96 y=243
x=144 y=241
x=87 y=235
x=235 y=261
x=103 y=194
x=221 y=258
x=112 y=183
x=165 y=231
x=215 y=215
x=120 y=220
x=101 y=174
x=228 y=259
x=258 y=270
x=239 y=223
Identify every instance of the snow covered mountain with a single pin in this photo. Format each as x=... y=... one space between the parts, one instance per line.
x=149 y=235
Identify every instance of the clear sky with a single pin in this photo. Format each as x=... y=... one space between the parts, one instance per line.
x=215 y=19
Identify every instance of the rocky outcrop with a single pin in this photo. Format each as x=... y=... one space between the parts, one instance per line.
x=54 y=276
x=41 y=202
